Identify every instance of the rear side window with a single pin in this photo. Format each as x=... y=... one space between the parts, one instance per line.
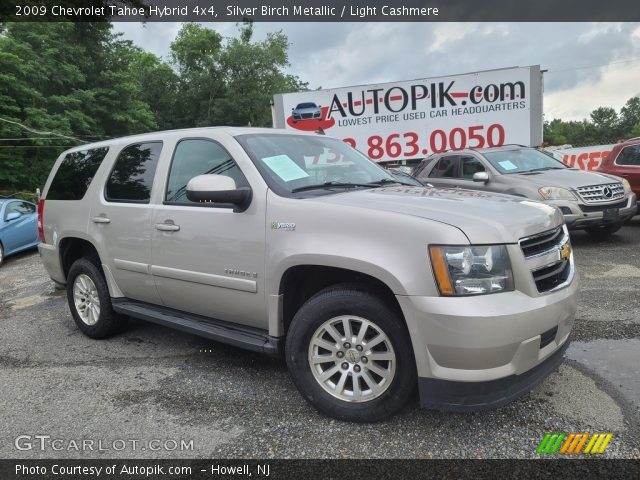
x=195 y=157
x=132 y=175
x=629 y=156
x=447 y=167
x=75 y=174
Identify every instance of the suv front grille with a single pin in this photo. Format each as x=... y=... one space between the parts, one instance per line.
x=600 y=208
x=550 y=259
x=541 y=243
x=601 y=193
x=548 y=278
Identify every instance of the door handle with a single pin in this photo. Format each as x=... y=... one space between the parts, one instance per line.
x=101 y=219
x=167 y=227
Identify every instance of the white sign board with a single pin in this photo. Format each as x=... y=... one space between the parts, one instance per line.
x=585 y=158
x=415 y=118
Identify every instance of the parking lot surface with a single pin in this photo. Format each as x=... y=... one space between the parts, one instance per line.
x=163 y=388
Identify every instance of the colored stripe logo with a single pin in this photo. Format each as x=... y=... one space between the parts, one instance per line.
x=574 y=443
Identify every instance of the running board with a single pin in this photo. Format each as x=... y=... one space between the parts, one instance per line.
x=249 y=338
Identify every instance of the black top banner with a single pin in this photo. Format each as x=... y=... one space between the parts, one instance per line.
x=321 y=10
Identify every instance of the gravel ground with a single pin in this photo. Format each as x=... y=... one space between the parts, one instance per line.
x=152 y=383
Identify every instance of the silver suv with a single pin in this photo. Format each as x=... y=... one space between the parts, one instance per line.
x=597 y=202
x=297 y=243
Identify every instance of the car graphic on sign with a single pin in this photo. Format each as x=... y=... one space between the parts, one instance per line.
x=306 y=111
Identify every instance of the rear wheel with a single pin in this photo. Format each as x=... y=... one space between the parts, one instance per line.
x=90 y=302
x=604 y=231
x=350 y=355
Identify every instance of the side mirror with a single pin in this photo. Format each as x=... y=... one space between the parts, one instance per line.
x=218 y=189
x=481 y=177
x=13 y=216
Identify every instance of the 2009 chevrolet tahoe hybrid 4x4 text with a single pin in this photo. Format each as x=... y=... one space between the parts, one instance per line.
x=275 y=241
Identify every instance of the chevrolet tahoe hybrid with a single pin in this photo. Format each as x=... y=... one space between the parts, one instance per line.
x=299 y=244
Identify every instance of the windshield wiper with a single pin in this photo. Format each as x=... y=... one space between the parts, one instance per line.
x=327 y=185
x=386 y=181
x=541 y=169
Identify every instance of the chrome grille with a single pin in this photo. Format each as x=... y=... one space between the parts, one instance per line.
x=541 y=243
x=548 y=278
x=601 y=193
x=549 y=257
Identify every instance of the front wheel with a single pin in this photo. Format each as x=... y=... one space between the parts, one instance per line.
x=350 y=355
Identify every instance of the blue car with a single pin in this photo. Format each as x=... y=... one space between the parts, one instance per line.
x=18 y=226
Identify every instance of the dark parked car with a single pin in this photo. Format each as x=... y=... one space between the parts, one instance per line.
x=18 y=227
x=596 y=202
x=306 y=111
x=624 y=161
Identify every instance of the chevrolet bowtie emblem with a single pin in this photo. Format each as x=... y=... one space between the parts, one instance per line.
x=565 y=251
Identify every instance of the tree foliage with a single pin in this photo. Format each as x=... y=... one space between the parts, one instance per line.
x=604 y=125
x=85 y=83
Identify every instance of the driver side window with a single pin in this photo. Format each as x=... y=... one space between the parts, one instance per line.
x=470 y=166
x=194 y=157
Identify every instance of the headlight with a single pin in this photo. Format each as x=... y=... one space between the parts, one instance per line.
x=627 y=186
x=474 y=270
x=556 y=193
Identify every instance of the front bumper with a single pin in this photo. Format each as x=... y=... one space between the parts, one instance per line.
x=486 y=342
x=579 y=215
x=461 y=396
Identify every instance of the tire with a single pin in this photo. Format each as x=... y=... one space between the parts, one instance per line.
x=86 y=286
x=1 y=254
x=338 y=395
x=604 y=231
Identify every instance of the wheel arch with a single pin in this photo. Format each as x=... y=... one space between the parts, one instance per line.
x=301 y=282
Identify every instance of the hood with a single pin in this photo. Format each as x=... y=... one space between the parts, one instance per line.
x=566 y=178
x=483 y=217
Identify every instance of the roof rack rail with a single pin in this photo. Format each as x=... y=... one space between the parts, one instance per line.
x=479 y=148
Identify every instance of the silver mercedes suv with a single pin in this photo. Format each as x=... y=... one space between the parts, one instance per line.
x=297 y=244
x=596 y=202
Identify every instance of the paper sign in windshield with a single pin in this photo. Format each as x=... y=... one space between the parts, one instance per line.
x=285 y=168
x=507 y=165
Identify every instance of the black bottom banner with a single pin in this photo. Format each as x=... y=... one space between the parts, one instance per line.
x=321 y=469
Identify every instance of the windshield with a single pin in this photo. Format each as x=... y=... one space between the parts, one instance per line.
x=522 y=161
x=306 y=105
x=318 y=164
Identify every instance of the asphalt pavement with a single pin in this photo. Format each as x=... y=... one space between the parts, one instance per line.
x=152 y=392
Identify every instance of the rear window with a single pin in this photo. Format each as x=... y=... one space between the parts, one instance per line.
x=132 y=175
x=75 y=174
x=629 y=156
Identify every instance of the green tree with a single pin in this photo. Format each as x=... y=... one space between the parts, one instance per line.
x=73 y=79
x=195 y=54
x=253 y=73
x=229 y=83
x=159 y=88
x=630 y=114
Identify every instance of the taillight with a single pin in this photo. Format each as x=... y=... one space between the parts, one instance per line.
x=41 y=220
